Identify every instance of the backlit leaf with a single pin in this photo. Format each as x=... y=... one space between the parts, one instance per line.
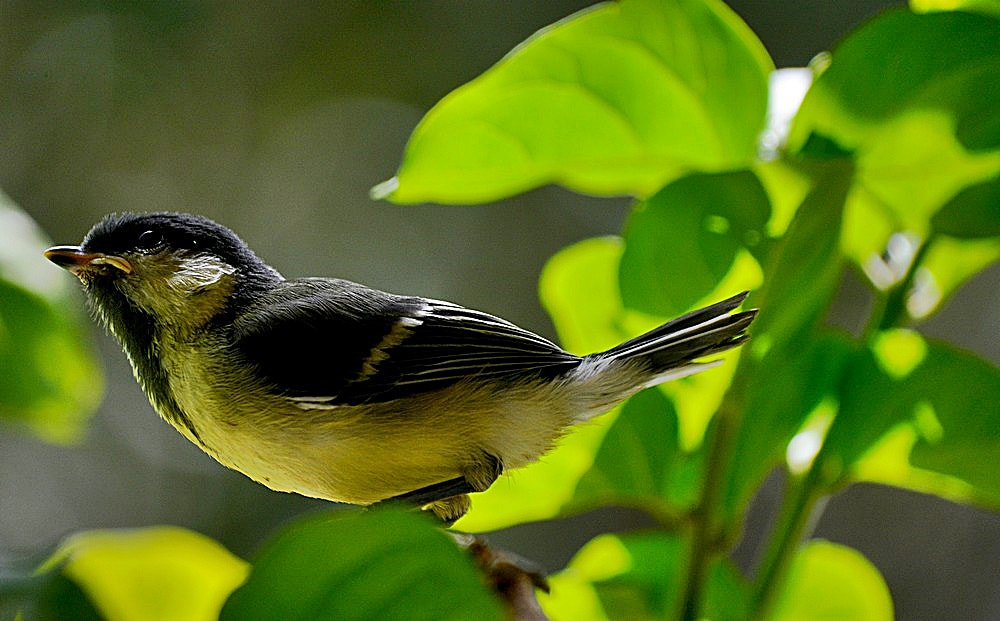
x=922 y=127
x=784 y=389
x=928 y=62
x=935 y=429
x=637 y=576
x=51 y=382
x=964 y=391
x=617 y=99
x=831 y=581
x=152 y=573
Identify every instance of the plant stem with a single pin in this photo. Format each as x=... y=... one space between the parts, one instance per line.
x=707 y=535
x=794 y=521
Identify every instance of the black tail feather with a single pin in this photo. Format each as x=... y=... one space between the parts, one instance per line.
x=704 y=332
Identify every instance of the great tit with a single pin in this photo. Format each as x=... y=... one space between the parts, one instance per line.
x=334 y=390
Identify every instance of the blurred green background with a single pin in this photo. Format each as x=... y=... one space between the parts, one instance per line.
x=276 y=119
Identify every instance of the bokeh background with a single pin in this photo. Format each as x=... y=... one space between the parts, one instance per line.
x=276 y=118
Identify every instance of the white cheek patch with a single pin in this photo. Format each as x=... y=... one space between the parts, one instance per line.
x=199 y=272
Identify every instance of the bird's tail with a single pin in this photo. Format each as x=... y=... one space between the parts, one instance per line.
x=673 y=349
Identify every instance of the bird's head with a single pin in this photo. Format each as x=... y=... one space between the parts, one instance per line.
x=179 y=269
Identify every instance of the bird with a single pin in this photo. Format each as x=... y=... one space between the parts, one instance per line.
x=334 y=390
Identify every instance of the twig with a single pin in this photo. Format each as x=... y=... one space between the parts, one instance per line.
x=513 y=578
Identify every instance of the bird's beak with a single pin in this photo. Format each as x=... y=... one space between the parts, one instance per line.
x=78 y=262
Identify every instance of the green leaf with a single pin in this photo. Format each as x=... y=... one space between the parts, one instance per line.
x=803 y=271
x=934 y=428
x=964 y=391
x=926 y=187
x=946 y=265
x=923 y=128
x=571 y=598
x=384 y=564
x=681 y=243
x=617 y=99
x=785 y=388
x=640 y=462
x=647 y=588
x=981 y=6
x=913 y=164
x=638 y=576
x=874 y=396
x=973 y=213
x=787 y=186
x=921 y=60
x=579 y=289
x=831 y=581
x=152 y=573
x=51 y=382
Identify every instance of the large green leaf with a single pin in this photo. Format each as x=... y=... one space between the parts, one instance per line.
x=925 y=134
x=616 y=99
x=902 y=61
x=964 y=391
x=50 y=382
x=145 y=574
x=385 y=564
x=923 y=416
x=681 y=242
x=913 y=164
x=874 y=396
x=831 y=581
x=638 y=576
x=640 y=462
x=924 y=131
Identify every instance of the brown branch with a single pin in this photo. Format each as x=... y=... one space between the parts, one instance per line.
x=513 y=578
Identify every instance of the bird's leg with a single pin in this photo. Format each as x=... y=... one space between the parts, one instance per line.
x=449 y=500
x=432 y=493
x=478 y=475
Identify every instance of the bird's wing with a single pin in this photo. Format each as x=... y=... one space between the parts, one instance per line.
x=326 y=343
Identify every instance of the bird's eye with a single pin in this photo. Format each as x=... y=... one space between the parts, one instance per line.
x=149 y=240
